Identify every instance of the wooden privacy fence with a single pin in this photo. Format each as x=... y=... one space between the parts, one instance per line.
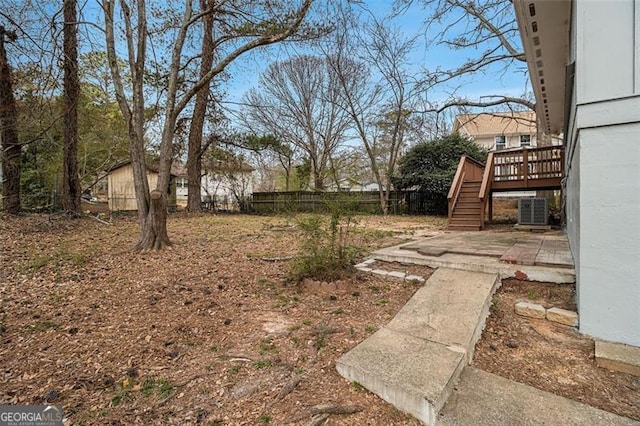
x=400 y=202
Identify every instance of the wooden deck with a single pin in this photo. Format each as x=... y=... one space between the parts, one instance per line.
x=521 y=169
x=525 y=169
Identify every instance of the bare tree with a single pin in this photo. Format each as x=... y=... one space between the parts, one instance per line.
x=266 y=23
x=11 y=148
x=379 y=111
x=488 y=31
x=71 y=189
x=297 y=100
x=267 y=150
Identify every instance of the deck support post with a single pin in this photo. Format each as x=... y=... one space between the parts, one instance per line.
x=525 y=167
x=490 y=206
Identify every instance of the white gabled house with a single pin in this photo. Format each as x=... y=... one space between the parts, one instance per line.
x=499 y=130
x=584 y=62
x=224 y=184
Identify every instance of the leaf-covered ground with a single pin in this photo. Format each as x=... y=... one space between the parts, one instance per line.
x=206 y=333
x=550 y=356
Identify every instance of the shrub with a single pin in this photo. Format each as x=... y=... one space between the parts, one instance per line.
x=326 y=252
x=430 y=167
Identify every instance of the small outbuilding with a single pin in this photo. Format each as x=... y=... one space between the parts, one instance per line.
x=121 y=192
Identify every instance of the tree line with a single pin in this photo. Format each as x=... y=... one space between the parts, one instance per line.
x=145 y=80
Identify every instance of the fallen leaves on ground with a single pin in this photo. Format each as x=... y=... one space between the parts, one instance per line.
x=205 y=333
x=550 y=356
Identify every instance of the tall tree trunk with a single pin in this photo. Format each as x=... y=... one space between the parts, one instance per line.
x=154 y=229
x=11 y=149
x=194 y=152
x=287 y=179
x=71 y=190
x=152 y=207
x=318 y=181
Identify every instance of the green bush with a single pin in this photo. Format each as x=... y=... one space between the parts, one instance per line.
x=430 y=167
x=326 y=252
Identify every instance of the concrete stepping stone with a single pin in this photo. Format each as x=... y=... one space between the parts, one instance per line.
x=411 y=374
x=486 y=264
x=554 y=252
x=412 y=246
x=450 y=308
x=618 y=357
x=522 y=253
x=415 y=360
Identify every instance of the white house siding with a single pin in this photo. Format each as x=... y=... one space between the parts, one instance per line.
x=182 y=192
x=603 y=168
x=609 y=224
x=511 y=141
x=606 y=49
x=221 y=189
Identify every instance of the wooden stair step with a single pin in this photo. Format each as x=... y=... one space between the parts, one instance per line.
x=466 y=217
x=455 y=227
x=467 y=210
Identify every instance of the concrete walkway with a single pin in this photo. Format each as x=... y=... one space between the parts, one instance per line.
x=419 y=362
x=484 y=399
x=414 y=361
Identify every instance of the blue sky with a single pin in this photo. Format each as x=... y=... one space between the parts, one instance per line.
x=246 y=72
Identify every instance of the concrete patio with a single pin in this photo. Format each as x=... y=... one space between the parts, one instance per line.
x=524 y=255
x=420 y=361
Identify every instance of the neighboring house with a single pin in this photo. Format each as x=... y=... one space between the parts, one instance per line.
x=353 y=185
x=121 y=193
x=499 y=130
x=584 y=63
x=228 y=184
x=223 y=183
x=182 y=187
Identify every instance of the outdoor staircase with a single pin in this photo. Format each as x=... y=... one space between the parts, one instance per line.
x=466 y=215
x=522 y=169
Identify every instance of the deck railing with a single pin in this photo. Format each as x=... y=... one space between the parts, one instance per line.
x=528 y=164
x=485 y=188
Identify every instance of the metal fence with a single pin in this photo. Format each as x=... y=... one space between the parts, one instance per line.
x=400 y=202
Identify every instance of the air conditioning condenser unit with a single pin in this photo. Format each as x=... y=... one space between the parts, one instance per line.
x=533 y=211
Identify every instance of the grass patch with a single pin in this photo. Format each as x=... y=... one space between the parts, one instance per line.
x=161 y=387
x=43 y=326
x=264 y=418
x=263 y=364
x=357 y=386
x=266 y=346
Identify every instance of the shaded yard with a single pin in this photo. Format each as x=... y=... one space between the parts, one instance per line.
x=212 y=332
x=206 y=333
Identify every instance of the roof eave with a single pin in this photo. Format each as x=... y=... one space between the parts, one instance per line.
x=545 y=28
